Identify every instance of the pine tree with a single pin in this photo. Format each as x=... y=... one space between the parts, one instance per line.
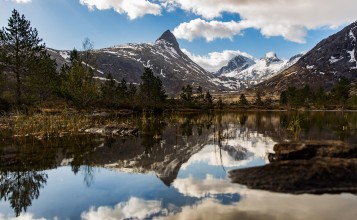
x=243 y=100
x=186 y=94
x=341 y=91
x=78 y=85
x=258 y=99
x=320 y=96
x=42 y=81
x=208 y=100
x=20 y=47
x=200 y=96
x=108 y=89
x=283 y=98
x=152 y=92
x=220 y=103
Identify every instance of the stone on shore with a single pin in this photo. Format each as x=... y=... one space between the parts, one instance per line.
x=304 y=167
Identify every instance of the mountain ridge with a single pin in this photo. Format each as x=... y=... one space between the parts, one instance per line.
x=164 y=56
x=332 y=58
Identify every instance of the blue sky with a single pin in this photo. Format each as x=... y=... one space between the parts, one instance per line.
x=202 y=27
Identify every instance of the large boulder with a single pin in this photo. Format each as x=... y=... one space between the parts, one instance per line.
x=304 y=167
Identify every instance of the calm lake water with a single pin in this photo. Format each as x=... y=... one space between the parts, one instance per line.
x=175 y=169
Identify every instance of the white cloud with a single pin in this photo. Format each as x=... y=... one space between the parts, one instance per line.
x=22 y=216
x=135 y=208
x=215 y=60
x=252 y=145
x=210 y=30
x=209 y=186
x=287 y=18
x=263 y=205
x=134 y=9
x=22 y=1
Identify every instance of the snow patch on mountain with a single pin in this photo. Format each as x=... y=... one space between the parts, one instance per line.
x=334 y=59
x=263 y=69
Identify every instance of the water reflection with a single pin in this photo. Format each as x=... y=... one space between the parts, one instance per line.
x=177 y=168
x=21 y=187
x=259 y=205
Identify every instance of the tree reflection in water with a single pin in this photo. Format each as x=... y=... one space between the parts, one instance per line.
x=21 y=187
x=161 y=141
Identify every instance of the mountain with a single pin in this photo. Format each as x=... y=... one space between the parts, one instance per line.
x=164 y=56
x=238 y=63
x=330 y=59
x=261 y=70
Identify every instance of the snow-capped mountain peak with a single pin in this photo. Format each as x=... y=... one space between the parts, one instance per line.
x=238 y=63
x=168 y=37
x=261 y=70
x=271 y=57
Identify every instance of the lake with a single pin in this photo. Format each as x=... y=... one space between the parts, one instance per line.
x=176 y=168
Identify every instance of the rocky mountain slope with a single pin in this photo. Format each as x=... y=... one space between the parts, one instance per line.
x=164 y=56
x=330 y=59
x=238 y=63
x=249 y=72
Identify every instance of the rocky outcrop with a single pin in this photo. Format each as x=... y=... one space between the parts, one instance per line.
x=112 y=130
x=329 y=60
x=311 y=149
x=307 y=167
x=237 y=63
x=174 y=68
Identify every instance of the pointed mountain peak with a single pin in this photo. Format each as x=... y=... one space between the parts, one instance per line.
x=271 y=54
x=168 y=37
x=271 y=57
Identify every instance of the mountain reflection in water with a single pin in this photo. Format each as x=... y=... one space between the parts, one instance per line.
x=176 y=168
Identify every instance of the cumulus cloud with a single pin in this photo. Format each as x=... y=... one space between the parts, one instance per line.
x=210 y=30
x=215 y=60
x=262 y=205
x=134 y=9
x=135 y=208
x=22 y=1
x=287 y=18
x=209 y=186
x=23 y=216
x=252 y=144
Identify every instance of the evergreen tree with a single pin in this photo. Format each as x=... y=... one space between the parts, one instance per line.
x=283 y=98
x=200 y=96
x=78 y=85
x=291 y=93
x=43 y=80
x=258 y=99
x=243 y=100
x=108 y=89
x=186 y=94
x=220 y=103
x=208 y=100
x=151 y=91
x=320 y=96
x=122 y=89
x=74 y=56
x=341 y=91
x=132 y=94
x=20 y=48
x=132 y=91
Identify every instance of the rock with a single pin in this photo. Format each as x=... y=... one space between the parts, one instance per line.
x=318 y=175
x=112 y=130
x=304 y=167
x=311 y=149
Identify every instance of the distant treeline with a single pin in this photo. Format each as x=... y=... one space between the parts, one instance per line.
x=339 y=96
x=30 y=77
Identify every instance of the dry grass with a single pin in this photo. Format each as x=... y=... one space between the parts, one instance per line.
x=42 y=126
